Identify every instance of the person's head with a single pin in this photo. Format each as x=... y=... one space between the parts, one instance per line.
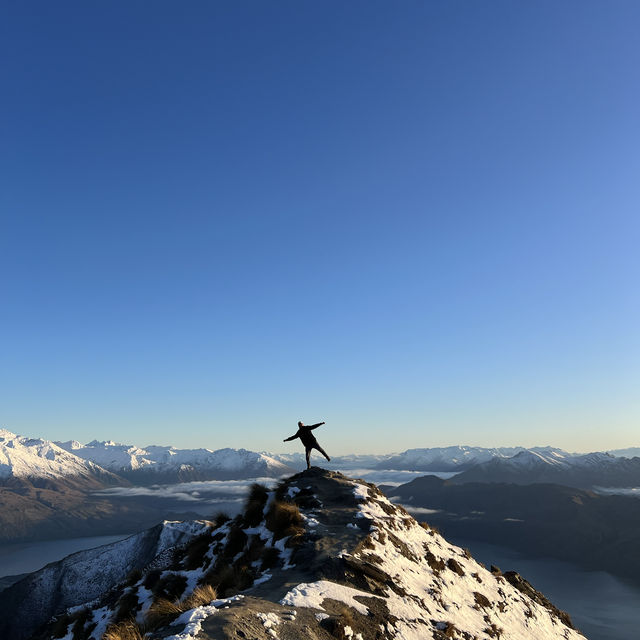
x=300 y=424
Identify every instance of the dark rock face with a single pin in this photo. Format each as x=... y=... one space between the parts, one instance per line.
x=320 y=557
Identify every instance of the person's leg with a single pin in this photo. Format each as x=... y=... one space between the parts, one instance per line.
x=308 y=452
x=323 y=452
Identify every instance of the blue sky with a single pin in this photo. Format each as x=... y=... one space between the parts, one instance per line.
x=416 y=221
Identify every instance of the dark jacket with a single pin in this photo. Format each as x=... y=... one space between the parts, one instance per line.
x=304 y=433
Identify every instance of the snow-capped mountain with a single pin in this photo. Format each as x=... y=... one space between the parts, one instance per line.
x=156 y=464
x=346 y=462
x=555 y=466
x=320 y=557
x=39 y=461
x=456 y=458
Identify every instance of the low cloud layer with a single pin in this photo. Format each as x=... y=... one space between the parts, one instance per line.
x=209 y=491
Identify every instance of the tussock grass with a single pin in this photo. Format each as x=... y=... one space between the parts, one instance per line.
x=201 y=595
x=236 y=540
x=285 y=519
x=196 y=551
x=255 y=549
x=336 y=625
x=170 y=587
x=133 y=577
x=454 y=566
x=220 y=518
x=270 y=558
x=164 y=611
x=254 y=507
x=127 y=606
x=434 y=562
x=125 y=630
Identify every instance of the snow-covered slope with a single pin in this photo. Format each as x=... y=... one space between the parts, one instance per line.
x=88 y=574
x=322 y=556
x=33 y=458
x=155 y=464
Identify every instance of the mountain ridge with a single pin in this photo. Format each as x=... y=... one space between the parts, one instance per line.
x=322 y=556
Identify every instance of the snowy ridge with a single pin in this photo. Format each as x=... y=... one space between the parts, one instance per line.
x=557 y=467
x=458 y=458
x=133 y=461
x=23 y=457
x=322 y=556
x=86 y=575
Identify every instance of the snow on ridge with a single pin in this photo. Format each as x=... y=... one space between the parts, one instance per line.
x=122 y=457
x=25 y=457
x=436 y=585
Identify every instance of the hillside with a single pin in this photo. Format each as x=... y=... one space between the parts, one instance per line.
x=600 y=532
x=323 y=556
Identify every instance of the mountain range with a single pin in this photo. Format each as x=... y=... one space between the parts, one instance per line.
x=67 y=489
x=554 y=466
x=155 y=464
x=321 y=557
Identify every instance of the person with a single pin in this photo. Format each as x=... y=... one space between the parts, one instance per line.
x=308 y=440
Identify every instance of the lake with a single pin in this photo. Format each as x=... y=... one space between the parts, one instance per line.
x=601 y=606
x=26 y=557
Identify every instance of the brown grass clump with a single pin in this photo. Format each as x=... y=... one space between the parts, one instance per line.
x=236 y=540
x=336 y=625
x=197 y=550
x=493 y=631
x=435 y=563
x=223 y=576
x=170 y=587
x=482 y=600
x=201 y=595
x=454 y=566
x=285 y=519
x=253 y=511
x=220 y=518
x=125 y=630
x=270 y=558
x=163 y=611
x=127 y=606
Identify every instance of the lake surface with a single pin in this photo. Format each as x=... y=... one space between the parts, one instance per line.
x=601 y=606
x=26 y=557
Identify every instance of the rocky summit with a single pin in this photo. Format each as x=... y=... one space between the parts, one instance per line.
x=320 y=557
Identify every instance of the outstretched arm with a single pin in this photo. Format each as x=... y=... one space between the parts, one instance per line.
x=315 y=426
x=293 y=437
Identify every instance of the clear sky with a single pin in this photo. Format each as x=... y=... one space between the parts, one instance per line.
x=417 y=221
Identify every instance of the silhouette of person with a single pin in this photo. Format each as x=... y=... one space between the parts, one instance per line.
x=308 y=440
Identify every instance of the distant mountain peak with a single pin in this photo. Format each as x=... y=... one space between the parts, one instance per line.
x=30 y=458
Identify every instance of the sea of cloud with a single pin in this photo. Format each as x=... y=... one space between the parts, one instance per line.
x=233 y=492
